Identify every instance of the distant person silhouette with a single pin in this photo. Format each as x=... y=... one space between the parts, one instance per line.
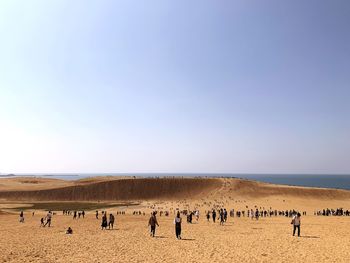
x=21 y=217
x=111 y=221
x=177 y=222
x=214 y=215
x=42 y=222
x=104 y=221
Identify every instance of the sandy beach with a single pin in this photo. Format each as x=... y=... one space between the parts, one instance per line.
x=269 y=239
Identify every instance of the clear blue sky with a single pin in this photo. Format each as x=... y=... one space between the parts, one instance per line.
x=175 y=86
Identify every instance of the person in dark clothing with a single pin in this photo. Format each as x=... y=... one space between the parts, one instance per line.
x=111 y=221
x=104 y=223
x=214 y=215
x=189 y=220
x=153 y=222
x=177 y=222
x=69 y=231
x=221 y=216
x=208 y=216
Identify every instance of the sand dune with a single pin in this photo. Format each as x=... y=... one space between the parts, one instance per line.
x=110 y=188
x=121 y=189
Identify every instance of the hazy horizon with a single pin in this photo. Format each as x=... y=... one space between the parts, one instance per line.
x=177 y=87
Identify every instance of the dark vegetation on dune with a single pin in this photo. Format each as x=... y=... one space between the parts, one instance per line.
x=74 y=206
x=169 y=189
x=123 y=189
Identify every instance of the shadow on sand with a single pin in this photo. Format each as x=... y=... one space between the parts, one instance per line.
x=309 y=237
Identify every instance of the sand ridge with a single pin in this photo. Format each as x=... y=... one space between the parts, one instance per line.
x=129 y=188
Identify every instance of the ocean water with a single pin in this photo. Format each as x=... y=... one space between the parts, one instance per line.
x=311 y=180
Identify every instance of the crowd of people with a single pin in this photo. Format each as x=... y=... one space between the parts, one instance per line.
x=332 y=212
x=213 y=215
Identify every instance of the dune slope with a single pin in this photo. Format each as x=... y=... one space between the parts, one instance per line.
x=121 y=189
x=165 y=189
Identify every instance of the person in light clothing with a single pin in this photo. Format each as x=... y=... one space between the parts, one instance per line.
x=48 y=219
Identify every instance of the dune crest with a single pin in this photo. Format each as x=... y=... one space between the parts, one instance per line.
x=156 y=188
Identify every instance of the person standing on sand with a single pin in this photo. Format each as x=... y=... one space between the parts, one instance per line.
x=177 y=223
x=214 y=215
x=221 y=216
x=296 y=223
x=153 y=222
x=111 y=221
x=104 y=221
x=208 y=216
x=96 y=214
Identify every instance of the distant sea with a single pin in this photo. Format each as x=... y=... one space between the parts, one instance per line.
x=312 y=180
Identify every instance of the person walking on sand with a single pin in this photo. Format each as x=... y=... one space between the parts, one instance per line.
x=153 y=222
x=111 y=221
x=104 y=221
x=296 y=223
x=48 y=219
x=96 y=214
x=177 y=223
